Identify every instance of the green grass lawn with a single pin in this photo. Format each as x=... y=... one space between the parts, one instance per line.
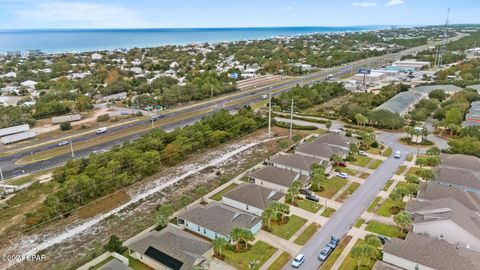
x=413 y=170
x=364 y=175
x=409 y=157
x=218 y=196
x=359 y=222
x=332 y=186
x=384 y=209
x=387 y=152
x=287 y=230
x=374 y=151
x=260 y=253
x=308 y=205
x=303 y=238
x=335 y=254
x=373 y=204
x=280 y=261
x=384 y=229
x=134 y=263
x=375 y=164
x=361 y=161
x=388 y=184
x=350 y=263
x=347 y=171
x=328 y=212
x=400 y=170
x=401 y=184
x=349 y=191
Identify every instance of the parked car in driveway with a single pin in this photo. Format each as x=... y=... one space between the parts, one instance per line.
x=63 y=143
x=342 y=164
x=312 y=197
x=362 y=153
x=299 y=260
x=305 y=191
x=342 y=175
x=333 y=242
x=325 y=253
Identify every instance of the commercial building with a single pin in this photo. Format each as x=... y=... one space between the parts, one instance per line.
x=411 y=63
x=251 y=198
x=372 y=78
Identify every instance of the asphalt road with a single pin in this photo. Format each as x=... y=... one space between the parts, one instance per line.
x=10 y=169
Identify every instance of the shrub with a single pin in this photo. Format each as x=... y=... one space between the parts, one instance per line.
x=103 y=118
x=65 y=126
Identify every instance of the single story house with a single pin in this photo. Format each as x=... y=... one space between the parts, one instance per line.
x=460 y=161
x=251 y=198
x=217 y=220
x=171 y=248
x=298 y=163
x=448 y=220
x=322 y=151
x=115 y=264
x=459 y=178
x=420 y=252
x=434 y=191
x=277 y=178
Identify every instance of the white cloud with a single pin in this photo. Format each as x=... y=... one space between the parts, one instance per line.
x=364 y=4
x=81 y=14
x=395 y=3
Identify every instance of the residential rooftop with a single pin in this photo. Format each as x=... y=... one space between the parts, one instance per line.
x=433 y=253
x=254 y=195
x=297 y=161
x=278 y=176
x=460 y=161
x=115 y=264
x=319 y=149
x=454 y=176
x=433 y=191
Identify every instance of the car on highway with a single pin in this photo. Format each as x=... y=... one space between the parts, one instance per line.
x=125 y=113
x=305 y=191
x=264 y=96
x=333 y=242
x=362 y=153
x=299 y=260
x=63 y=143
x=101 y=130
x=397 y=155
x=312 y=197
x=342 y=175
x=325 y=253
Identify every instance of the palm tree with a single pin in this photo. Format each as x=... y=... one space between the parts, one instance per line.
x=318 y=176
x=425 y=133
x=336 y=158
x=328 y=125
x=247 y=236
x=268 y=214
x=294 y=190
x=353 y=149
x=218 y=245
x=236 y=235
x=284 y=211
x=403 y=220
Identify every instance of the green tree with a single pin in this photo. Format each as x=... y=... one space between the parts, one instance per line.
x=403 y=220
x=328 y=125
x=65 y=126
x=427 y=175
x=433 y=151
x=268 y=214
x=410 y=178
x=293 y=191
x=318 y=177
x=163 y=214
x=361 y=119
x=114 y=244
x=240 y=235
x=336 y=158
x=219 y=244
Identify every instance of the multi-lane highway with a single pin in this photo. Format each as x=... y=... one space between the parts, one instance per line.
x=11 y=169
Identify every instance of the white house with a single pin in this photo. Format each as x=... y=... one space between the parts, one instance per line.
x=277 y=178
x=251 y=198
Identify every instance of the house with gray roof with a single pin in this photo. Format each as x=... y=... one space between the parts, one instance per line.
x=171 y=248
x=460 y=161
x=277 y=178
x=420 y=252
x=217 y=220
x=459 y=178
x=251 y=198
x=325 y=146
x=298 y=163
x=434 y=191
x=115 y=264
x=448 y=220
x=449 y=89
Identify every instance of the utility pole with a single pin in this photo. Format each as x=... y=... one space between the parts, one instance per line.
x=3 y=181
x=291 y=119
x=71 y=149
x=153 y=124
x=270 y=113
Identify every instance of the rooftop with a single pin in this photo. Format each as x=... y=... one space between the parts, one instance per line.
x=434 y=191
x=433 y=253
x=277 y=176
x=172 y=247
x=254 y=195
x=297 y=161
x=320 y=149
x=461 y=177
x=115 y=264
x=460 y=161
x=219 y=218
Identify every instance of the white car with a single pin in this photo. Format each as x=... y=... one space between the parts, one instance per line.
x=342 y=175
x=63 y=143
x=362 y=153
x=299 y=260
x=264 y=96
x=397 y=155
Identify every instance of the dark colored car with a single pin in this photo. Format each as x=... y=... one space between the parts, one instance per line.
x=333 y=242
x=384 y=239
x=312 y=197
x=305 y=191
x=342 y=164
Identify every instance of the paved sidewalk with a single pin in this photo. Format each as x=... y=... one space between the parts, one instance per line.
x=309 y=215
x=271 y=260
x=277 y=242
x=340 y=192
x=372 y=216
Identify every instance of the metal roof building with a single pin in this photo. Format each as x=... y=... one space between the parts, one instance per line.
x=403 y=102
x=473 y=116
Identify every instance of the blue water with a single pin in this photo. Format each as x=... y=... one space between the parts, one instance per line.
x=75 y=40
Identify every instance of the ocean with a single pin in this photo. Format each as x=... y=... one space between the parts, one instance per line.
x=81 y=40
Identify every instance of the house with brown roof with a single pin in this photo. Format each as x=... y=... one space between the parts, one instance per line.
x=433 y=191
x=298 y=163
x=217 y=220
x=277 y=178
x=251 y=198
x=448 y=220
x=420 y=252
x=171 y=248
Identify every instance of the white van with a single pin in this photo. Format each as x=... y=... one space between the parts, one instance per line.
x=397 y=155
x=101 y=130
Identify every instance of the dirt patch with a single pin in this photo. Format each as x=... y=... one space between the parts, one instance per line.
x=103 y=205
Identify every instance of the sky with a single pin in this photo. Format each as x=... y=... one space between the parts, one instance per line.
x=42 y=14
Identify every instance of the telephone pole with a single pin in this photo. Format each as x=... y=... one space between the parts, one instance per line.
x=291 y=119
x=270 y=113
x=3 y=182
x=71 y=149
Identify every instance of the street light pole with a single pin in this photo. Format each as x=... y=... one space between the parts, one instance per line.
x=3 y=181
x=71 y=149
x=291 y=119
x=270 y=113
